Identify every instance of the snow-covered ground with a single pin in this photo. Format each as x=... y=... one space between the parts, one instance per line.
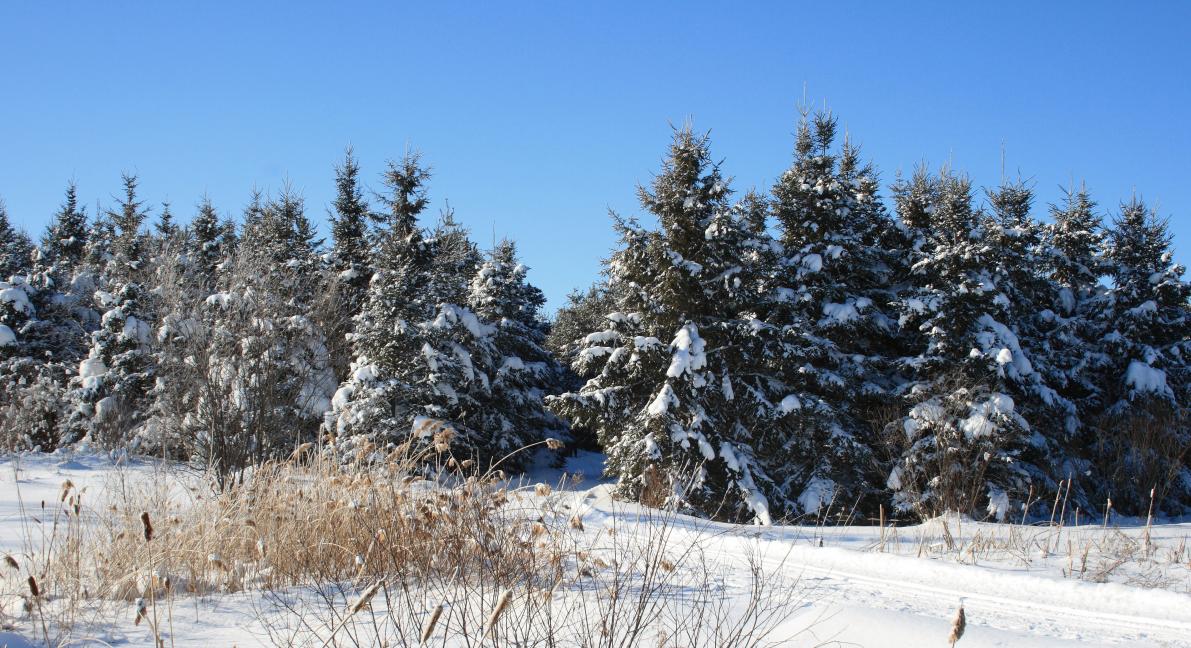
x=855 y=586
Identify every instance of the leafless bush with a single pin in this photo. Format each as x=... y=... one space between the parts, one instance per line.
x=1147 y=450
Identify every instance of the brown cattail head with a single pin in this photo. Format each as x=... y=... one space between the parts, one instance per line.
x=148 y=525
x=431 y=622
x=958 y=626
x=33 y=588
x=366 y=597
x=66 y=486
x=11 y=562
x=501 y=604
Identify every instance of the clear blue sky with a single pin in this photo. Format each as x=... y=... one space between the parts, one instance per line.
x=539 y=117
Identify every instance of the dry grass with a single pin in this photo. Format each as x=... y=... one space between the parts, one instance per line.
x=384 y=553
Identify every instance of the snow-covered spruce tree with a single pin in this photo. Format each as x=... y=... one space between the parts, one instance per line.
x=1019 y=271
x=1074 y=243
x=204 y=248
x=349 y=261
x=831 y=297
x=455 y=261
x=372 y=407
x=111 y=391
x=16 y=250
x=36 y=334
x=962 y=445
x=524 y=372
x=1146 y=325
x=583 y=313
x=65 y=242
x=681 y=399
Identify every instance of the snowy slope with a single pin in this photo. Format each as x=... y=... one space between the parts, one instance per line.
x=853 y=593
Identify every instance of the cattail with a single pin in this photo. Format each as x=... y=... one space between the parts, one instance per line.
x=11 y=562
x=553 y=444
x=141 y=611
x=957 y=626
x=576 y=523
x=66 y=486
x=148 y=525
x=431 y=622
x=501 y=604
x=541 y=490
x=366 y=597
x=33 y=588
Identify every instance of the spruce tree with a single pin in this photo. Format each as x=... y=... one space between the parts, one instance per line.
x=113 y=383
x=204 y=248
x=525 y=372
x=372 y=404
x=833 y=290
x=349 y=260
x=1075 y=245
x=65 y=240
x=681 y=398
x=456 y=259
x=16 y=249
x=962 y=445
x=1146 y=343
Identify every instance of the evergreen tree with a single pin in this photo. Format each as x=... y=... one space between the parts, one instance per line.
x=112 y=388
x=349 y=260
x=691 y=421
x=1146 y=342
x=128 y=245
x=205 y=250
x=349 y=226
x=963 y=445
x=65 y=240
x=833 y=287
x=165 y=229
x=16 y=250
x=525 y=372
x=456 y=259
x=1075 y=244
x=372 y=404
x=584 y=312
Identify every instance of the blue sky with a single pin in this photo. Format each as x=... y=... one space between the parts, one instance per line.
x=539 y=117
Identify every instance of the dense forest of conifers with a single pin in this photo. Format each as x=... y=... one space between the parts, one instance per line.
x=816 y=350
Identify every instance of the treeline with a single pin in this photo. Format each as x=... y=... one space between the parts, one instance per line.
x=757 y=357
x=230 y=343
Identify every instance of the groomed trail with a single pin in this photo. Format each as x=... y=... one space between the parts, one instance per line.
x=857 y=597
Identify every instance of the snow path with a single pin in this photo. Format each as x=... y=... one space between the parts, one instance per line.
x=848 y=587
